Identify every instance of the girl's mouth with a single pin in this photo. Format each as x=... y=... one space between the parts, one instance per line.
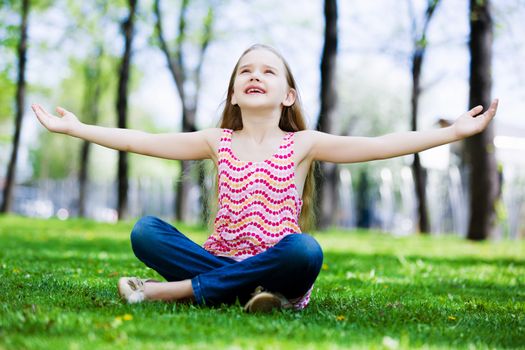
x=254 y=90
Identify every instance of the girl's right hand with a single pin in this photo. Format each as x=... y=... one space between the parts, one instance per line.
x=63 y=124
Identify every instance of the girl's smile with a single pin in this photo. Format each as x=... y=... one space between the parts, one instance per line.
x=254 y=89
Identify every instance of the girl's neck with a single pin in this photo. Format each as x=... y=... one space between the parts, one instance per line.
x=259 y=125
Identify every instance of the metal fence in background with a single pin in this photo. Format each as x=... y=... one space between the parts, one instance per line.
x=391 y=204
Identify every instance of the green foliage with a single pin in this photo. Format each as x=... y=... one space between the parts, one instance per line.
x=375 y=291
x=9 y=34
x=422 y=42
x=55 y=156
x=7 y=97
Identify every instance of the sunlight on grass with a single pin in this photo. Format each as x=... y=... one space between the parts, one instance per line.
x=374 y=291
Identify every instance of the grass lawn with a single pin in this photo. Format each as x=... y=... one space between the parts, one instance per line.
x=58 y=291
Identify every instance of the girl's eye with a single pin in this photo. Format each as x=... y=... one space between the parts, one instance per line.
x=270 y=71
x=244 y=71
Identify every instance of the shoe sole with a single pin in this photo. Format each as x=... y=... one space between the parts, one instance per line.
x=263 y=303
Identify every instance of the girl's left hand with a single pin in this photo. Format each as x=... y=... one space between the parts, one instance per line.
x=471 y=123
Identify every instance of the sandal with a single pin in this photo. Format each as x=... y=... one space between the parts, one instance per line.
x=131 y=289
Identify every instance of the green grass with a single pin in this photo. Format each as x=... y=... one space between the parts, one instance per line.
x=58 y=290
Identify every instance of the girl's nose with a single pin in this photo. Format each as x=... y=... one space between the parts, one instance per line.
x=255 y=75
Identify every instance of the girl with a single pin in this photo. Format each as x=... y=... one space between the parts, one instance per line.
x=264 y=156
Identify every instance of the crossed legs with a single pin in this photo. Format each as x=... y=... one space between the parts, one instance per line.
x=290 y=267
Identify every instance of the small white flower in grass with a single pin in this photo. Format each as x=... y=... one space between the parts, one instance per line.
x=117 y=322
x=350 y=275
x=103 y=255
x=402 y=260
x=390 y=343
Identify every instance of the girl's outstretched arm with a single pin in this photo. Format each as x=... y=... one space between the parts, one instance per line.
x=348 y=149
x=183 y=146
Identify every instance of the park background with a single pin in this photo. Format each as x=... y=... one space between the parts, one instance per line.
x=75 y=51
x=75 y=54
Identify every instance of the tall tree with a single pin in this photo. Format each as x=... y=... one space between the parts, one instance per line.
x=484 y=179
x=90 y=109
x=419 y=38
x=94 y=78
x=328 y=179
x=122 y=106
x=20 y=97
x=176 y=65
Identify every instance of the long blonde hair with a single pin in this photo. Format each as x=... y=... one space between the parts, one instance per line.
x=292 y=119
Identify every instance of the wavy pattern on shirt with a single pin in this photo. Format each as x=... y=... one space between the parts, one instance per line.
x=258 y=203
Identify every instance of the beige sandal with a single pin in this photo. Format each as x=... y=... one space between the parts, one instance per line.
x=131 y=289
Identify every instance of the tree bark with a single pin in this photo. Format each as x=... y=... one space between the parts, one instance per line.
x=122 y=108
x=183 y=183
x=417 y=169
x=484 y=179
x=328 y=180
x=418 y=56
x=91 y=103
x=20 y=97
x=176 y=67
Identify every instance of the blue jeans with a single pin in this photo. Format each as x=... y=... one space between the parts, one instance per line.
x=290 y=267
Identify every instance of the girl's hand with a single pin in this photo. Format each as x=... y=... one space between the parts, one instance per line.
x=62 y=124
x=471 y=123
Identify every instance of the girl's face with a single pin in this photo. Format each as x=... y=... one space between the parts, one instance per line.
x=261 y=82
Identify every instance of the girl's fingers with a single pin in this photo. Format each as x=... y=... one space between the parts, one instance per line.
x=493 y=107
x=475 y=111
x=42 y=115
x=61 y=111
x=38 y=111
x=41 y=110
x=490 y=112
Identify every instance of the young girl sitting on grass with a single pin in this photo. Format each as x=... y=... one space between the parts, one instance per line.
x=257 y=253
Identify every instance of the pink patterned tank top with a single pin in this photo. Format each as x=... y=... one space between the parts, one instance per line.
x=258 y=203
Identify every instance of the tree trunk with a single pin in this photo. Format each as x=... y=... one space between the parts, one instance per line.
x=91 y=108
x=122 y=109
x=20 y=96
x=327 y=181
x=484 y=180
x=183 y=182
x=417 y=169
x=205 y=214
x=91 y=102
x=175 y=62
x=418 y=57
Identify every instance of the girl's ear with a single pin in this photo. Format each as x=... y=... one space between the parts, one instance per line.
x=290 y=98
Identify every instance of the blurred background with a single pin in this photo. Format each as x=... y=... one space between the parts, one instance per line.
x=363 y=68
